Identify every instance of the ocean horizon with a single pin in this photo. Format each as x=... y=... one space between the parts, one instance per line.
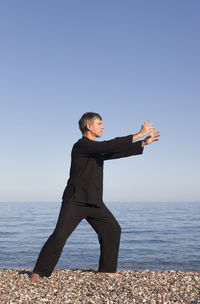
x=155 y=236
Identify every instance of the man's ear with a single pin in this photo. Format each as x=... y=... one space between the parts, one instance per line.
x=88 y=126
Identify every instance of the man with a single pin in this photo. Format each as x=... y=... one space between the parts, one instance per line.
x=82 y=198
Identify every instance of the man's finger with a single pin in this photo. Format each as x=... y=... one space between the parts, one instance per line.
x=156 y=134
x=151 y=128
x=148 y=123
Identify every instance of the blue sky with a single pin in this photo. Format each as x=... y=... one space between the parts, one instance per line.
x=131 y=61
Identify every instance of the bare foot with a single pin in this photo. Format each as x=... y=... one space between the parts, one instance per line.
x=112 y=274
x=35 y=277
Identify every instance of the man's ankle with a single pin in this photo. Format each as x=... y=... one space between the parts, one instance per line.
x=111 y=273
x=35 y=277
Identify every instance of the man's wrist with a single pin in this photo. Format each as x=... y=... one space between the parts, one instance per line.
x=143 y=143
x=136 y=136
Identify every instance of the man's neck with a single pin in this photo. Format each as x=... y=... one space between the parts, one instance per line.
x=90 y=136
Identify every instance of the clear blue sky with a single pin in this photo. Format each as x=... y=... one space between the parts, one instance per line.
x=128 y=60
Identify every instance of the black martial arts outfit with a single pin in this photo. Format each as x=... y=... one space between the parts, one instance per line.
x=82 y=199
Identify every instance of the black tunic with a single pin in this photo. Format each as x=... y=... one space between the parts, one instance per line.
x=85 y=183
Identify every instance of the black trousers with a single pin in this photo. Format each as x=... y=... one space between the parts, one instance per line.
x=71 y=214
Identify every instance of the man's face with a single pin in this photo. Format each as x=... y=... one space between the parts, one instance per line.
x=96 y=127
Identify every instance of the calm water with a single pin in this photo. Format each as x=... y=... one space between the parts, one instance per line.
x=155 y=236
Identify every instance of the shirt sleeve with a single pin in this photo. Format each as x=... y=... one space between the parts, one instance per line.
x=135 y=149
x=87 y=146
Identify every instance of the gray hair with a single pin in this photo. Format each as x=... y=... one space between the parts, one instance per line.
x=86 y=118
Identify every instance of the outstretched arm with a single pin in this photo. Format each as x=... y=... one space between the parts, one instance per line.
x=118 y=144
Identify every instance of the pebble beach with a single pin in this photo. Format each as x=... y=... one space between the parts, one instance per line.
x=87 y=287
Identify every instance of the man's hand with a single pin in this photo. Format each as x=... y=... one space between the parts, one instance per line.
x=145 y=129
x=153 y=136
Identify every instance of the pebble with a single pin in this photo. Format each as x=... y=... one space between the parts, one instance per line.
x=85 y=286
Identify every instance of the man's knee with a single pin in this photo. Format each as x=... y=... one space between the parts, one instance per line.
x=111 y=232
x=59 y=236
x=118 y=230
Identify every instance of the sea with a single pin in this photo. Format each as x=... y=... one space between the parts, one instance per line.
x=155 y=236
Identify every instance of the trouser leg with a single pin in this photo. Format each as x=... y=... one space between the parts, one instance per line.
x=69 y=217
x=109 y=231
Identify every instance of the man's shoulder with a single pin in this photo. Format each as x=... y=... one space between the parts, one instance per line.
x=83 y=140
x=80 y=140
x=78 y=143
x=85 y=145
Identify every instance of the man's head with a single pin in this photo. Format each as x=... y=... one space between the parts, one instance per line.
x=91 y=125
